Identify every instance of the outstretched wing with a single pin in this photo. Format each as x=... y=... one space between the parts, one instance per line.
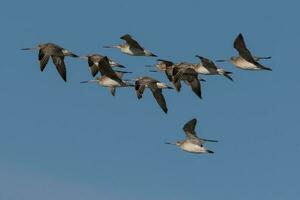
x=240 y=45
x=43 y=58
x=60 y=66
x=207 y=63
x=133 y=43
x=139 y=88
x=105 y=69
x=189 y=128
x=157 y=93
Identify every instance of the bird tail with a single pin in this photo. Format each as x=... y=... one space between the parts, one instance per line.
x=209 y=151
x=262 y=57
x=263 y=67
x=225 y=73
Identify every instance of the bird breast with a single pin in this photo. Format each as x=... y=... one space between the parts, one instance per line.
x=126 y=49
x=242 y=63
x=191 y=147
x=107 y=82
x=203 y=70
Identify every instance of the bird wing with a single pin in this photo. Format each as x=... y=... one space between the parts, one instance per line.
x=169 y=73
x=166 y=62
x=191 y=77
x=106 y=70
x=60 y=66
x=43 y=58
x=133 y=43
x=207 y=63
x=240 y=45
x=189 y=128
x=139 y=88
x=157 y=93
x=94 y=70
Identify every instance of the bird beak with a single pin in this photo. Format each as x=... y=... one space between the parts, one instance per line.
x=90 y=81
x=83 y=57
x=171 y=143
x=26 y=49
x=222 y=60
x=153 y=71
x=113 y=46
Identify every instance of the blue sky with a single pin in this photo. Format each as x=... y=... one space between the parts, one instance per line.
x=73 y=141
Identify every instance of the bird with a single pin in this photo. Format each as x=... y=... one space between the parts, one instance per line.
x=165 y=66
x=106 y=70
x=131 y=47
x=245 y=60
x=186 y=72
x=208 y=67
x=93 y=61
x=110 y=83
x=192 y=142
x=57 y=54
x=156 y=88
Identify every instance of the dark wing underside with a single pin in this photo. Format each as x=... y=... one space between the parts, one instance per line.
x=132 y=43
x=189 y=128
x=106 y=70
x=43 y=59
x=157 y=93
x=60 y=66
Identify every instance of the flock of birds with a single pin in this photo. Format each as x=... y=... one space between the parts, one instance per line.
x=175 y=72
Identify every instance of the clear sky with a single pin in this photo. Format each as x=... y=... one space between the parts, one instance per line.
x=73 y=141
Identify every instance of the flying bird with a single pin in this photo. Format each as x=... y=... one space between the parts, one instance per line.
x=156 y=88
x=208 y=67
x=93 y=62
x=131 y=47
x=192 y=142
x=110 y=83
x=186 y=72
x=106 y=70
x=245 y=60
x=57 y=54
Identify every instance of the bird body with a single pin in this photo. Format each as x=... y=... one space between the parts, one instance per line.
x=112 y=84
x=93 y=62
x=131 y=47
x=57 y=54
x=156 y=88
x=245 y=60
x=192 y=143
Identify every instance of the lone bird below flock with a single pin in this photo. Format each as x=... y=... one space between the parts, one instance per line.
x=131 y=47
x=57 y=54
x=245 y=60
x=156 y=88
x=192 y=143
x=93 y=61
x=110 y=83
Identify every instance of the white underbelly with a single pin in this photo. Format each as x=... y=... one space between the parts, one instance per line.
x=109 y=83
x=203 y=70
x=244 y=64
x=127 y=50
x=192 y=148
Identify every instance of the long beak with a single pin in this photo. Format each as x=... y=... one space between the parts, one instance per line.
x=112 y=46
x=153 y=70
x=171 y=143
x=124 y=72
x=26 y=49
x=222 y=60
x=210 y=140
x=90 y=81
x=83 y=57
